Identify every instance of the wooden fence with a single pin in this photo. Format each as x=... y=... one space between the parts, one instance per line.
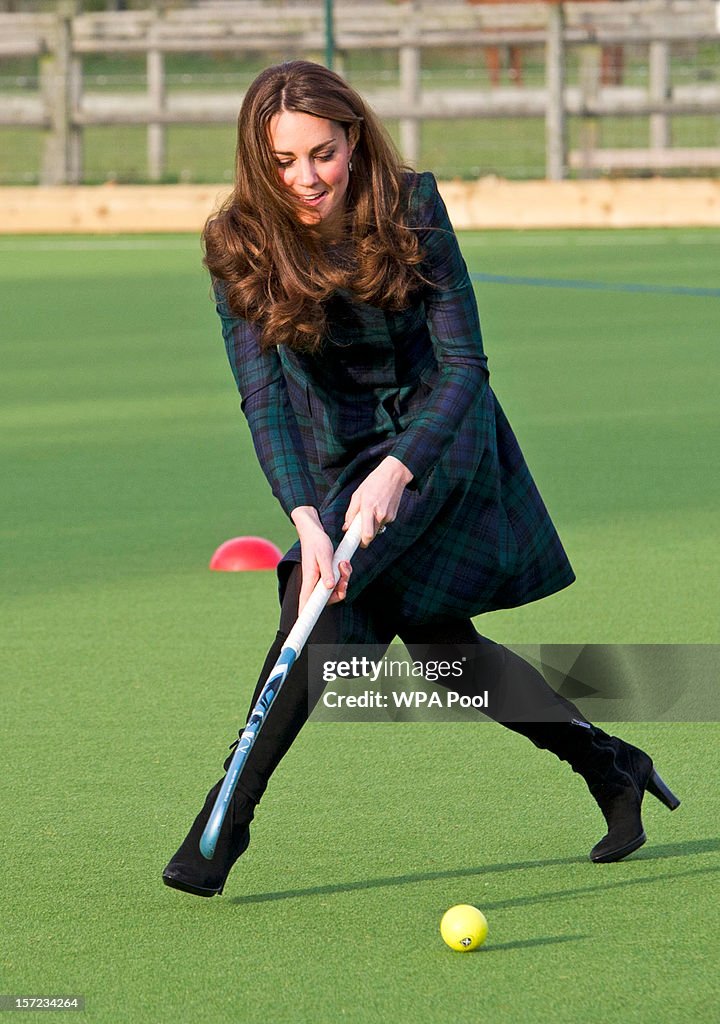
x=63 y=110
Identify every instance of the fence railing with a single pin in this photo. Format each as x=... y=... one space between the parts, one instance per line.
x=63 y=109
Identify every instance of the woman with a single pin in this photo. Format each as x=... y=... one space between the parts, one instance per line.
x=352 y=330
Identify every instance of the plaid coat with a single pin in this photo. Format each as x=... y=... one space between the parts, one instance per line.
x=472 y=532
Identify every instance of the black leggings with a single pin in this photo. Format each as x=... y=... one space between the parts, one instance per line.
x=521 y=699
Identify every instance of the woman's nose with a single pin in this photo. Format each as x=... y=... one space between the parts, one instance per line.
x=306 y=173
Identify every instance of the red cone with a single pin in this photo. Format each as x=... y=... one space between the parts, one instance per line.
x=243 y=553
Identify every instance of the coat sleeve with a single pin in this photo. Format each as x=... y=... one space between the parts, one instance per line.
x=454 y=325
x=267 y=408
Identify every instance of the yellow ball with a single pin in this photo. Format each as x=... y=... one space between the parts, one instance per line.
x=464 y=927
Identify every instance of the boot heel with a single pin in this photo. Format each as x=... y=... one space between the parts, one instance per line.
x=657 y=787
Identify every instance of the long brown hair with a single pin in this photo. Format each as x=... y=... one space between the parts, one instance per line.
x=277 y=270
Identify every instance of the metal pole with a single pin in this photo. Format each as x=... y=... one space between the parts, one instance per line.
x=329 y=35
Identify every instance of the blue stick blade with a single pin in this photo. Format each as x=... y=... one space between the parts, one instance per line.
x=209 y=838
x=211 y=832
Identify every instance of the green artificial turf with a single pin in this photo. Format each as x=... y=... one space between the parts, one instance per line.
x=127 y=665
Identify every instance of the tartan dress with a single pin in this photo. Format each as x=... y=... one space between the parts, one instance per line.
x=472 y=533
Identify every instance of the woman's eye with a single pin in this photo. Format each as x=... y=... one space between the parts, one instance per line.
x=324 y=157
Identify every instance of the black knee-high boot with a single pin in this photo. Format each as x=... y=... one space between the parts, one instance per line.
x=617 y=774
x=188 y=870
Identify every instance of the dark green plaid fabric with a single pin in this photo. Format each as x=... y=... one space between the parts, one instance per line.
x=472 y=532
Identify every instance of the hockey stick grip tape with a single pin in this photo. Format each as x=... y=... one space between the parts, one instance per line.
x=320 y=596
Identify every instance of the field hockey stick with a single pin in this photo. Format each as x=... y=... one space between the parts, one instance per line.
x=290 y=650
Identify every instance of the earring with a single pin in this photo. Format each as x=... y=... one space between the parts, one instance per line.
x=349 y=165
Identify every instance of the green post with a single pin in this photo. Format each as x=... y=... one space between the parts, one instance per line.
x=329 y=35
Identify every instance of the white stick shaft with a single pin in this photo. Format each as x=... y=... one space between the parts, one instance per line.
x=302 y=629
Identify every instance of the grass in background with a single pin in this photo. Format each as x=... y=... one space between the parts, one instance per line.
x=127 y=664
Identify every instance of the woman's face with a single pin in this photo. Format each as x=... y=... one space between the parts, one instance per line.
x=312 y=155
